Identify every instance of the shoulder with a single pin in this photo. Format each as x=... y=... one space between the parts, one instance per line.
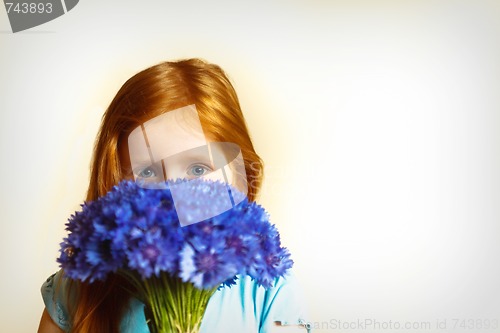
x=54 y=293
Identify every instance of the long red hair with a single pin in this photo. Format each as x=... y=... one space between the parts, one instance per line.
x=151 y=92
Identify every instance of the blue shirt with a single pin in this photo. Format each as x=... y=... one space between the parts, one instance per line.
x=243 y=308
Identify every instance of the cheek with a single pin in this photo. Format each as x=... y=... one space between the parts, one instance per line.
x=236 y=180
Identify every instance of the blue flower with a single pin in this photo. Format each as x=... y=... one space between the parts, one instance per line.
x=138 y=229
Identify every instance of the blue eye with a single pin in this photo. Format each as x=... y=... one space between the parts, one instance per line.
x=147 y=173
x=198 y=170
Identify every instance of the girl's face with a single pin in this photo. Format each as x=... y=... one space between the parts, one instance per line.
x=173 y=146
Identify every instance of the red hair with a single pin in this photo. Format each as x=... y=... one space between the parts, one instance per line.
x=151 y=92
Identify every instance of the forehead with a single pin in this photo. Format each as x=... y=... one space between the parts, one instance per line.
x=166 y=135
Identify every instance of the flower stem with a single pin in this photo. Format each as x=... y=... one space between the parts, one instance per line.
x=174 y=306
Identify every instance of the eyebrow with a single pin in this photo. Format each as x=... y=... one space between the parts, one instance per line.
x=138 y=167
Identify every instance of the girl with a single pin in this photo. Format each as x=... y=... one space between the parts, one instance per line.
x=72 y=306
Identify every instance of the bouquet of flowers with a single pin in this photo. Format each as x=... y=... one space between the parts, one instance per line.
x=135 y=232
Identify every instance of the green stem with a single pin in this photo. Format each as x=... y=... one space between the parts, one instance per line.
x=174 y=306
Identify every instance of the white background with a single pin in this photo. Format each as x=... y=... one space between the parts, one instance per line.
x=378 y=122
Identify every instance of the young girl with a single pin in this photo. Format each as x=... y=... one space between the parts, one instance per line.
x=103 y=307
